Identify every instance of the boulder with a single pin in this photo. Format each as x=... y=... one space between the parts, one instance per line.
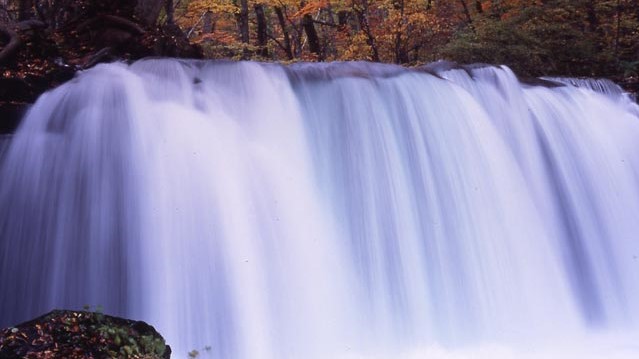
x=82 y=334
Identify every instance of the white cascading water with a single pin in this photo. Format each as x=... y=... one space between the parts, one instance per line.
x=346 y=210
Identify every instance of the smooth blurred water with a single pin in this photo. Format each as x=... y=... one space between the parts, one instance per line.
x=330 y=210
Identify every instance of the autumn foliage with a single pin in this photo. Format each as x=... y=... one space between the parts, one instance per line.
x=534 y=37
x=570 y=37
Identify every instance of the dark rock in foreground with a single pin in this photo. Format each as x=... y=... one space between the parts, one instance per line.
x=80 y=334
x=11 y=114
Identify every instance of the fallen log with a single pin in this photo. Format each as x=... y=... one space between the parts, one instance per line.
x=116 y=21
x=31 y=24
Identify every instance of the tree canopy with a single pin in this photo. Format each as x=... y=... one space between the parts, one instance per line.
x=534 y=37
x=568 y=37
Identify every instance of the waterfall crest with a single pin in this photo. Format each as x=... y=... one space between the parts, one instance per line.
x=328 y=210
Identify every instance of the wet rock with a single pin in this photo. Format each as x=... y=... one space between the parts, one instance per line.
x=10 y=116
x=82 y=334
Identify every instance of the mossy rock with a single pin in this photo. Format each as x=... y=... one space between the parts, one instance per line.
x=82 y=334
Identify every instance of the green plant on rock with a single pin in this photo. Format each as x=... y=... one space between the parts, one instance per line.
x=196 y=353
x=126 y=344
x=82 y=334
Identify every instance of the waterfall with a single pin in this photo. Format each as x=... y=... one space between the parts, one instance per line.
x=343 y=210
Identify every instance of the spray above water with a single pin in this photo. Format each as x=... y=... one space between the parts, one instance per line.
x=329 y=210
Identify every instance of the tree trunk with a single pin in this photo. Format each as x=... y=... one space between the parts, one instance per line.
x=262 y=36
x=25 y=10
x=342 y=17
x=5 y=18
x=148 y=11
x=362 y=17
x=311 y=35
x=287 y=37
x=42 y=10
x=243 y=27
x=208 y=26
x=617 y=28
x=169 y=12
x=12 y=46
x=635 y=5
x=591 y=11
x=401 y=57
x=329 y=46
x=497 y=9
x=466 y=11
x=243 y=19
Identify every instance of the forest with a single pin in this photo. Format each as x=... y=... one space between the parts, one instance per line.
x=568 y=37
x=594 y=38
